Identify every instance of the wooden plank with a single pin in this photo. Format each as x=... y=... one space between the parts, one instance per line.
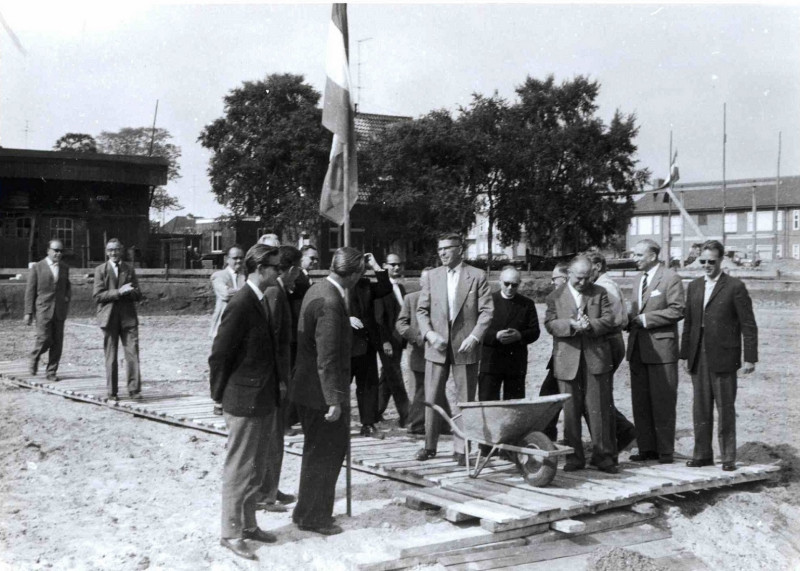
x=463 y=538
x=428 y=559
x=468 y=505
x=568 y=526
x=530 y=501
x=611 y=519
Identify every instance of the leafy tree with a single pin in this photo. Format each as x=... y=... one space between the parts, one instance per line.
x=270 y=152
x=575 y=174
x=144 y=141
x=76 y=143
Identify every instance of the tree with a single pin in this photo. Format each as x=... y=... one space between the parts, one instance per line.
x=270 y=152
x=144 y=141
x=416 y=176
x=76 y=143
x=575 y=175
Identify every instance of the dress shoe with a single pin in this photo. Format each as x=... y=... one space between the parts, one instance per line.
x=419 y=431
x=32 y=369
x=665 y=459
x=367 y=430
x=593 y=462
x=259 y=534
x=331 y=529
x=699 y=463
x=402 y=421
x=115 y=398
x=274 y=507
x=285 y=498
x=644 y=456
x=424 y=454
x=610 y=469
x=136 y=396
x=53 y=378
x=729 y=466
x=460 y=458
x=573 y=467
x=239 y=547
x=218 y=409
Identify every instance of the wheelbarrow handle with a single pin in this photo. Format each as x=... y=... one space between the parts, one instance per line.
x=451 y=421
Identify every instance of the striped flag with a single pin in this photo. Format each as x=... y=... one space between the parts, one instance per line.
x=337 y=117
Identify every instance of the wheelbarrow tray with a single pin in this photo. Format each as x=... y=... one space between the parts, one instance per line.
x=506 y=422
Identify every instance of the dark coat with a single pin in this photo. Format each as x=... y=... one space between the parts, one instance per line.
x=322 y=371
x=517 y=313
x=362 y=306
x=106 y=294
x=726 y=320
x=244 y=358
x=280 y=318
x=387 y=310
x=46 y=299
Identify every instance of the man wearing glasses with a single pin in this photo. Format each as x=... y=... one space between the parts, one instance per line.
x=116 y=290
x=515 y=325
x=226 y=283
x=47 y=296
x=719 y=316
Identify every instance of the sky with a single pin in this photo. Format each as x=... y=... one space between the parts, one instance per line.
x=99 y=66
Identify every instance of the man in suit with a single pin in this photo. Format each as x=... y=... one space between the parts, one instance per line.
x=245 y=377
x=454 y=312
x=116 y=291
x=227 y=282
x=514 y=326
x=656 y=309
x=408 y=328
x=390 y=350
x=549 y=386
x=47 y=296
x=276 y=296
x=366 y=340
x=320 y=389
x=579 y=318
x=719 y=316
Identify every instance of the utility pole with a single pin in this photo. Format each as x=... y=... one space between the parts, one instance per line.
x=755 y=226
x=26 y=130
x=669 y=205
x=777 y=186
x=358 y=95
x=724 y=184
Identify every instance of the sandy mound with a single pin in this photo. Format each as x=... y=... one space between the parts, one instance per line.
x=616 y=558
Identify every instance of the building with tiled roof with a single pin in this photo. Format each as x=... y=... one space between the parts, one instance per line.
x=368 y=125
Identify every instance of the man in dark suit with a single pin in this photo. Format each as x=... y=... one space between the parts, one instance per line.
x=245 y=374
x=515 y=325
x=116 y=290
x=320 y=389
x=47 y=296
x=454 y=311
x=656 y=309
x=390 y=350
x=366 y=340
x=579 y=318
x=719 y=316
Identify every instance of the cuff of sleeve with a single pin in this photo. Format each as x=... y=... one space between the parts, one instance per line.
x=475 y=338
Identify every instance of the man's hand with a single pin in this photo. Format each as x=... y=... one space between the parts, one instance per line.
x=372 y=262
x=748 y=368
x=579 y=325
x=125 y=289
x=508 y=336
x=27 y=319
x=468 y=345
x=439 y=343
x=334 y=412
x=356 y=323
x=387 y=349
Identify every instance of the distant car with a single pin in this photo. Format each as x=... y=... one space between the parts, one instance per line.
x=741 y=259
x=624 y=262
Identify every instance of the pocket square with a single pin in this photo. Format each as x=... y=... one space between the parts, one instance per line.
x=655 y=293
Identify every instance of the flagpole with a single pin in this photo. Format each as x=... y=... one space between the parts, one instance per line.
x=777 y=186
x=669 y=207
x=724 y=183
x=346 y=195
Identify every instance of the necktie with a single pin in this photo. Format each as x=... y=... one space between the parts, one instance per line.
x=644 y=285
x=452 y=282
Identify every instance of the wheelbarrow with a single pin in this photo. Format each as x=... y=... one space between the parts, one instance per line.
x=512 y=427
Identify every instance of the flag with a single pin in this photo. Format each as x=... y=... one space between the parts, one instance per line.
x=337 y=117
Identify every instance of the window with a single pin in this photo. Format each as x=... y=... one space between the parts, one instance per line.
x=645 y=225
x=781 y=216
x=731 y=223
x=676 y=224
x=216 y=241
x=61 y=229
x=676 y=253
x=796 y=251
x=14 y=226
x=702 y=219
x=779 y=251
x=633 y=230
x=795 y=219
x=764 y=220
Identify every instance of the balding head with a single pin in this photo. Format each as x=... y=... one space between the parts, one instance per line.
x=580 y=273
x=509 y=281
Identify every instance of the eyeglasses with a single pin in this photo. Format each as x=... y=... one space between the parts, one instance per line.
x=510 y=284
x=237 y=258
x=57 y=250
x=709 y=262
x=393 y=264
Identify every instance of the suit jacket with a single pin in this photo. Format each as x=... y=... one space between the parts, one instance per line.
x=662 y=306
x=243 y=364
x=408 y=327
x=322 y=371
x=301 y=285
x=224 y=288
x=46 y=298
x=387 y=309
x=280 y=318
x=106 y=294
x=362 y=305
x=517 y=313
x=473 y=312
x=568 y=344
x=726 y=320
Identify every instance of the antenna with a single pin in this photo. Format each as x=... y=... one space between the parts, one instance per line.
x=26 y=130
x=358 y=98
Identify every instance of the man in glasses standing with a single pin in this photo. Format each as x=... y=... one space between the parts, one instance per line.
x=719 y=316
x=47 y=296
x=515 y=325
x=226 y=283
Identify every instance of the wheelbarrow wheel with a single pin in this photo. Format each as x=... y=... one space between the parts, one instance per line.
x=537 y=471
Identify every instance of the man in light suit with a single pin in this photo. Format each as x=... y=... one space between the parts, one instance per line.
x=454 y=311
x=321 y=390
x=227 y=282
x=116 y=290
x=656 y=308
x=47 y=296
x=245 y=377
x=579 y=318
x=719 y=316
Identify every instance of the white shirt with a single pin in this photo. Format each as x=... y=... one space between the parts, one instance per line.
x=710 y=284
x=576 y=295
x=258 y=292
x=615 y=299
x=235 y=278
x=651 y=274
x=53 y=268
x=452 y=287
x=398 y=295
x=338 y=287
x=115 y=267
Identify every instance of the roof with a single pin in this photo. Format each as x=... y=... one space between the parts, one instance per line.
x=94 y=167
x=707 y=196
x=179 y=225
x=368 y=125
